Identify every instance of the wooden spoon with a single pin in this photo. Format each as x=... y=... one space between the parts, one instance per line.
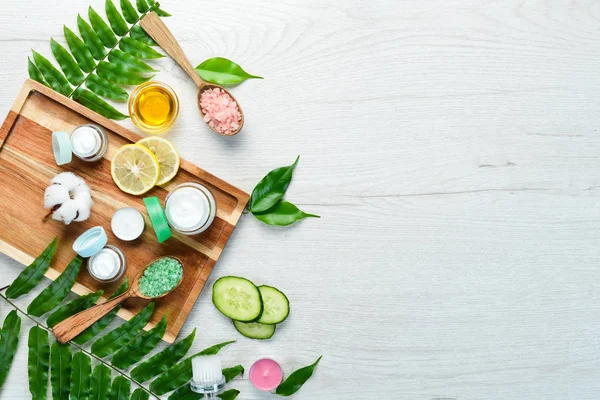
x=158 y=31
x=71 y=327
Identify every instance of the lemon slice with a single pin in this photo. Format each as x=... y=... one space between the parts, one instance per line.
x=167 y=156
x=135 y=169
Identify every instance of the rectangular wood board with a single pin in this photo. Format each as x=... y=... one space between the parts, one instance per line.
x=26 y=167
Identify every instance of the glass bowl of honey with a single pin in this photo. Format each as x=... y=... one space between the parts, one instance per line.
x=153 y=107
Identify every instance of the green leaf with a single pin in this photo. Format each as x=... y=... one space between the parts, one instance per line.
x=162 y=361
x=35 y=74
x=9 y=339
x=38 y=362
x=91 y=39
x=121 y=388
x=230 y=394
x=162 y=13
x=129 y=12
x=139 y=34
x=100 y=387
x=31 y=276
x=294 y=382
x=271 y=188
x=142 y=6
x=102 y=29
x=53 y=76
x=128 y=62
x=116 y=21
x=67 y=63
x=283 y=213
x=139 y=394
x=81 y=371
x=181 y=373
x=223 y=72
x=79 y=304
x=102 y=323
x=60 y=371
x=138 y=49
x=82 y=54
x=139 y=347
x=95 y=103
x=119 y=74
x=57 y=291
x=104 y=88
x=119 y=337
x=232 y=372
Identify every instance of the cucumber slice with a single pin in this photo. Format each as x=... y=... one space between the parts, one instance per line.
x=237 y=298
x=254 y=330
x=276 y=306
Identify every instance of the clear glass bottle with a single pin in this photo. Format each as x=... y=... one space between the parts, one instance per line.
x=89 y=142
x=108 y=265
x=190 y=208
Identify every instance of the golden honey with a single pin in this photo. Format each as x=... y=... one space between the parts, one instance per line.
x=153 y=107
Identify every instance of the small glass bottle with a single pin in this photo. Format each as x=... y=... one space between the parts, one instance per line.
x=108 y=265
x=190 y=208
x=89 y=142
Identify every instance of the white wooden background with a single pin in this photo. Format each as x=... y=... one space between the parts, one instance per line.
x=452 y=149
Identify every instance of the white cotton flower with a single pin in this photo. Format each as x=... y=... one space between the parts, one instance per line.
x=69 y=198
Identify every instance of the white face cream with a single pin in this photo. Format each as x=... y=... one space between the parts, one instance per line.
x=89 y=142
x=107 y=265
x=190 y=208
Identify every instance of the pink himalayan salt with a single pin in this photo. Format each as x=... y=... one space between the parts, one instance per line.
x=221 y=112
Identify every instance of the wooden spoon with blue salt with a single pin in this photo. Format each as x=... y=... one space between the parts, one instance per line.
x=144 y=286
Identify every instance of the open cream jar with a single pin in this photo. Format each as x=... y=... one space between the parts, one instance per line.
x=190 y=208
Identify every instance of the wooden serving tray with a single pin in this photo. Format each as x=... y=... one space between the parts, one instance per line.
x=26 y=167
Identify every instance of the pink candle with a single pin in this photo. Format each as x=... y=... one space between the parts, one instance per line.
x=266 y=374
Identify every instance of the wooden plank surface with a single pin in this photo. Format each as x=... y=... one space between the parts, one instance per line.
x=26 y=168
x=451 y=147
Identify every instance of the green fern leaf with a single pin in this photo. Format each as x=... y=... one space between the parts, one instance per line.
x=82 y=54
x=67 y=63
x=139 y=394
x=81 y=371
x=129 y=12
x=139 y=34
x=91 y=39
x=107 y=89
x=142 y=6
x=100 y=386
x=119 y=75
x=95 y=103
x=138 y=49
x=121 y=388
x=53 y=76
x=102 y=29
x=116 y=21
x=34 y=72
x=162 y=13
x=60 y=371
x=129 y=62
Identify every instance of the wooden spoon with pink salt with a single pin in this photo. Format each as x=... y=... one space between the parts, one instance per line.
x=219 y=109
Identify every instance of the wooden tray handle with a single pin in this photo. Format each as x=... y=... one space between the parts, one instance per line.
x=158 y=31
x=71 y=327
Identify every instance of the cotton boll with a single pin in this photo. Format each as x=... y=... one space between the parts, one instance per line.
x=69 y=198
x=54 y=195
x=67 y=212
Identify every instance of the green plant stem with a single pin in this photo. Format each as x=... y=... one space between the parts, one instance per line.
x=112 y=48
x=80 y=348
